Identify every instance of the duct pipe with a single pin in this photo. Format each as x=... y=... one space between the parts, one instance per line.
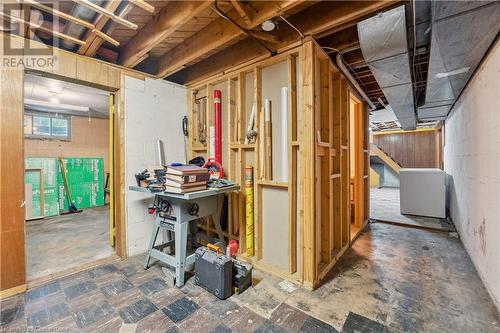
x=348 y=75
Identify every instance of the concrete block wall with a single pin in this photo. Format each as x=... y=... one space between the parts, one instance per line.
x=472 y=159
x=153 y=111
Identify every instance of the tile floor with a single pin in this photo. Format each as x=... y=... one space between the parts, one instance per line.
x=394 y=279
x=67 y=241
x=384 y=206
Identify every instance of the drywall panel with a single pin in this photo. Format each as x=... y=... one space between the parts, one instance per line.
x=472 y=160
x=273 y=78
x=275 y=227
x=153 y=111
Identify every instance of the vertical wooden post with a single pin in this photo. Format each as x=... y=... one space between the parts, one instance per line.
x=257 y=171
x=292 y=165
x=307 y=165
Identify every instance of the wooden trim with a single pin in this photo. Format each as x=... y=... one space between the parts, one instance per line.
x=272 y=183
x=12 y=291
x=425 y=129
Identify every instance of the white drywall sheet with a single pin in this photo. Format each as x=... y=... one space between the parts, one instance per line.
x=153 y=110
x=275 y=226
x=472 y=160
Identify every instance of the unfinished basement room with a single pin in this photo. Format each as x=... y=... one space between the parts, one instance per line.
x=249 y=166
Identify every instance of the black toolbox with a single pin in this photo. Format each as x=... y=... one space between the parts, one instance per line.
x=214 y=272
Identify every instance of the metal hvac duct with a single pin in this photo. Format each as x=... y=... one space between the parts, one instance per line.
x=384 y=45
x=462 y=31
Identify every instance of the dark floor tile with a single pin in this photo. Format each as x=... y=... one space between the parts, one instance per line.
x=152 y=286
x=357 y=323
x=156 y=322
x=102 y=270
x=43 y=291
x=9 y=315
x=180 y=309
x=221 y=308
x=92 y=314
x=137 y=311
x=270 y=327
x=116 y=288
x=79 y=289
x=290 y=318
x=129 y=270
x=221 y=328
x=46 y=316
x=313 y=325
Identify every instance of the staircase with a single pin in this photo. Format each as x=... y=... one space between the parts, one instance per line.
x=385 y=167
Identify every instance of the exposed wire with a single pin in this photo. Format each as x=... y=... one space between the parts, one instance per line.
x=293 y=27
x=223 y=15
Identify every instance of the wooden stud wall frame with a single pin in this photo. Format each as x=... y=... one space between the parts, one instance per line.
x=316 y=195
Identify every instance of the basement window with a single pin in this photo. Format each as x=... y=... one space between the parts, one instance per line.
x=47 y=126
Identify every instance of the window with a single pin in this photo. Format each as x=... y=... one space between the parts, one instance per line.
x=47 y=126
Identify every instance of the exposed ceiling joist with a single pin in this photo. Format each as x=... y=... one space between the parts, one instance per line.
x=58 y=13
x=216 y=34
x=94 y=42
x=108 y=13
x=160 y=27
x=42 y=28
x=143 y=5
x=245 y=11
x=313 y=20
x=341 y=41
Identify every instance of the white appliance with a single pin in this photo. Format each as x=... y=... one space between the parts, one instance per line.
x=423 y=192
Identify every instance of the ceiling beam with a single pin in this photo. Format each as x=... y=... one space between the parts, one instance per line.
x=92 y=40
x=143 y=5
x=245 y=11
x=324 y=15
x=173 y=15
x=103 y=11
x=58 y=13
x=218 y=33
x=341 y=40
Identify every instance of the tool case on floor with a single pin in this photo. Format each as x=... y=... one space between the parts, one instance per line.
x=214 y=271
x=242 y=276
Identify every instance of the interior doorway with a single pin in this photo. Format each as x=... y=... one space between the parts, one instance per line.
x=68 y=176
x=356 y=153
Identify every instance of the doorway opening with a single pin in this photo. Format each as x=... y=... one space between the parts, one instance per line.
x=356 y=154
x=68 y=177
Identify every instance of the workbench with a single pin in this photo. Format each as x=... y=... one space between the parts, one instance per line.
x=178 y=210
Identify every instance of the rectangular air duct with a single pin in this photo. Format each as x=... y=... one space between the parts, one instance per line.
x=384 y=45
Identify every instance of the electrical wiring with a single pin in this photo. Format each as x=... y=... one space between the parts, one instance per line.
x=293 y=27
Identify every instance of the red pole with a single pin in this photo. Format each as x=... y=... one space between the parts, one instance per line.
x=218 y=125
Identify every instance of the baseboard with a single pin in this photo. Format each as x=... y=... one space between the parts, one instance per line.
x=12 y=291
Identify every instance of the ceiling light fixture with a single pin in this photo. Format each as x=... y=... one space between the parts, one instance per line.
x=268 y=25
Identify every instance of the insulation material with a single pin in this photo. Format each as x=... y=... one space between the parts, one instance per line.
x=86 y=183
x=383 y=43
x=50 y=169
x=275 y=222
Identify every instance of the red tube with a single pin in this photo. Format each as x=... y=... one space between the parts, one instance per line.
x=218 y=125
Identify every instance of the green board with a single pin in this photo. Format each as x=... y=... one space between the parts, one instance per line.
x=85 y=180
x=50 y=168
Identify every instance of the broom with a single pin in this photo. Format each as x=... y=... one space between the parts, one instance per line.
x=71 y=205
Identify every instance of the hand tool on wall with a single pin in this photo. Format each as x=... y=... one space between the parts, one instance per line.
x=214 y=162
x=71 y=205
x=251 y=133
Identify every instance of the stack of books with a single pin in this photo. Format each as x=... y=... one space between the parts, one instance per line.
x=186 y=178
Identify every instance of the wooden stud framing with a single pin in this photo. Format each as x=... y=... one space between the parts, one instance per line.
x=322 y=175
x=107 y=13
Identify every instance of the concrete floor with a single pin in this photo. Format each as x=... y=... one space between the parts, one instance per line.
x=384 y=206
x=393 y=279
x=67 y=241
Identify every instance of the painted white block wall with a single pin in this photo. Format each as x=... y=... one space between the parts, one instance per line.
x=153 y=111
x=472 y=159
